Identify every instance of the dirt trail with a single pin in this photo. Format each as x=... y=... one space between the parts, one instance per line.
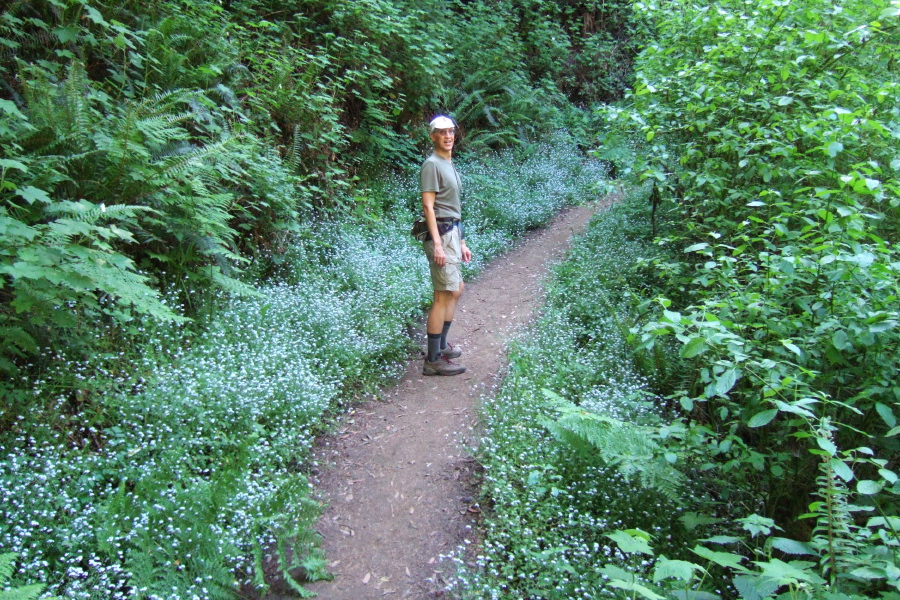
x=397 y=476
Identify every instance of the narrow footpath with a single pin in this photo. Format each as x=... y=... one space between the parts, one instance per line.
x=397 y=477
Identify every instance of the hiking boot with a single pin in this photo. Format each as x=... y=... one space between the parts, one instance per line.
x=451 y=351
x=442 y=366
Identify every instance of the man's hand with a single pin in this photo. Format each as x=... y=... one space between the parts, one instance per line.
x=440 y=259
x=466 y=254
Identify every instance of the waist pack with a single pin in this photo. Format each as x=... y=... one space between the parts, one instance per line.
x=420 y=228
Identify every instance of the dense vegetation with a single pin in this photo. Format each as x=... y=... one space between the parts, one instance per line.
x=708 y=408
x=190 y=195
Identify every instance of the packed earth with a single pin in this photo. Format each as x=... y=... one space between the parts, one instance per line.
x=397 y=477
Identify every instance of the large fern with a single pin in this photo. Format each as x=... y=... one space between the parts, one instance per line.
x=631 y=448
x=26 y=592
x=836 y=536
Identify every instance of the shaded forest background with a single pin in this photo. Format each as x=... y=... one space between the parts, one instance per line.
x=182 y=188
x=200 y=202
x=186 y=137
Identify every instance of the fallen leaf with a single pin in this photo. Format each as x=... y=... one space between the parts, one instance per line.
x=367 y=578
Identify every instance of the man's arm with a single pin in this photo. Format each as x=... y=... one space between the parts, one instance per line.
x=440 y=259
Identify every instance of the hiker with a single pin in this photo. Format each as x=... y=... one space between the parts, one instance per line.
x=445 y=247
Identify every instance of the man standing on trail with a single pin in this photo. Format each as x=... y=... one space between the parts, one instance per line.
x=445 y=247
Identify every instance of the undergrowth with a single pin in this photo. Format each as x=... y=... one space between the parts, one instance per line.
x=553 y=498
x=177 y=468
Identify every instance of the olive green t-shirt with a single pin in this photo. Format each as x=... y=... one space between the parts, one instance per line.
x=438 y=175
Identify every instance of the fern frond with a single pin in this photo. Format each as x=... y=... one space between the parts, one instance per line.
x=227 y=95
x=294 y=158
x=233 y=286
x=174 y=148
x=632 y=449
x=174 y=166
x=6 y=567
x=160 y=129
x=835 y=535
x=27 y=592
x=162 y=102
x=90 y=213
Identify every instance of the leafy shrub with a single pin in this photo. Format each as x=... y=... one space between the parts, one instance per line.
x=561 y=474
x=785 y=193
x=769 y=157
x=176 y=469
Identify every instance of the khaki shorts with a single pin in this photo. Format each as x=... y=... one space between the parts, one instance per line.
x=448 y=277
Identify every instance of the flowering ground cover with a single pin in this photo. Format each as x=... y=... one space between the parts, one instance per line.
x=177 y=467
x=554 y=499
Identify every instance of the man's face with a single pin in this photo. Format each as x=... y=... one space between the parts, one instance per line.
x=443 y=138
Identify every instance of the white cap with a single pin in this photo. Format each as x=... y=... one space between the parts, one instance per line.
x=442 y=122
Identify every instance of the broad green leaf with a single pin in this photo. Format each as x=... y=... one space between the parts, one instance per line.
x=696 y=247
x=615 y=572
x=869 y=573
x=674 y=317
x=886 y=414
x=839 y=339
x=674 y=569
x=892 y=522
x=630 y=544
x=789 y=546
x=834 y=148
x=786 y=572
x=754 y=587
x=726 y=381
x=841 y=469
x=66 y=35
x=722 y=539
x=94 y=15
x=692 y=595
x=827 y=445
x=24 y=270
x=6 y=163
x=636 y=587
x=10 y=108
x=792 y=347
x=692 y=520
x=888 y=476
x=696 y=345
x=814 y=37
x=723 y=559
x=868 y=487
x=785 y=100
x=762 y=418
x=33 y=194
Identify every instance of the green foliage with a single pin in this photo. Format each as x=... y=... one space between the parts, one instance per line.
x=769 y=321
x=25 y=592
x=776 y=166
x=632 y=449
x=197 y=162
x=560 y=475
x=180 y=469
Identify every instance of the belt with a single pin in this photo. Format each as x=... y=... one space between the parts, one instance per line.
x=447 y=220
